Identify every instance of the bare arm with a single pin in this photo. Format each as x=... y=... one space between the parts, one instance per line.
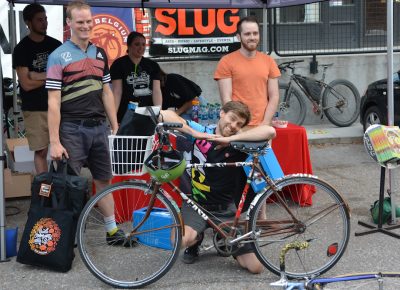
x=109 y=106
x=27 y=83
x=157 y=95
x=186 y=106
x=259 y=133
x=117 y=92
x=273 y=100
x=171 y=116
x=225 y=90
x=37 y=76
x=53 y=120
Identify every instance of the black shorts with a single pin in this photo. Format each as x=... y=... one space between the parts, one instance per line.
x=192 y=219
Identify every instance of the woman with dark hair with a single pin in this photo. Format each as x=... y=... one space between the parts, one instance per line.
x=178 y=92
x=134 y=77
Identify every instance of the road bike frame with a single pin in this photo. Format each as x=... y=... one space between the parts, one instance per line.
x=255 y=172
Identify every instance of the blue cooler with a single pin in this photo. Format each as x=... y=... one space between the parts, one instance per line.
x=159 y=217
x=271 y=167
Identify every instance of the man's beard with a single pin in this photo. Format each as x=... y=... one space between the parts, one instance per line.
x=250 y=48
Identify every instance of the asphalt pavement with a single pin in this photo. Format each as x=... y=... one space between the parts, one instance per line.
x=337 y=156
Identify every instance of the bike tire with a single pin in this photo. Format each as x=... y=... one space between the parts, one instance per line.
x=143 y=262
x=341 y=103
x=325 y=219
x=292 y=106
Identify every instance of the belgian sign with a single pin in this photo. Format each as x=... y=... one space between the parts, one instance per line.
x=111 y=28
x=193 y=32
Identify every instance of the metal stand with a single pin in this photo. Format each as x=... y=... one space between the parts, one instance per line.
x=379 y=228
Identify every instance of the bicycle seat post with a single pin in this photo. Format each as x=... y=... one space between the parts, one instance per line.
x=324 y=68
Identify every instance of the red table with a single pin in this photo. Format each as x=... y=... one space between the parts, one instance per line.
x=291 y=149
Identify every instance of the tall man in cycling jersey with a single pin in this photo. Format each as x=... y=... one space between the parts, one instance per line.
x=79 y=100
x=217 y=189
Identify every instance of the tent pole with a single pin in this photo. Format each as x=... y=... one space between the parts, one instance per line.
x=389 y=35
x=2 y=200
x=13 y=41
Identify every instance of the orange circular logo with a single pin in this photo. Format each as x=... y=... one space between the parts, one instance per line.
x=110 y=33
x=44 y=236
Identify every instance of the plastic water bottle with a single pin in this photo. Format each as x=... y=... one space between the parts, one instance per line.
x=203 y=115
x=211 y=114
x=217 y=110
x=195 y=109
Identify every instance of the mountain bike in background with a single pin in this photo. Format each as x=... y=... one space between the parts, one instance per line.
x=339 y=100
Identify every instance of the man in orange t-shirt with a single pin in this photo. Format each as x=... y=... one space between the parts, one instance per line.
x=249 y=76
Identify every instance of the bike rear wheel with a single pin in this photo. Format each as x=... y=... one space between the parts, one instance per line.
x=292 y=106
x=341 y=103
x=148 y=254
x=309 y=209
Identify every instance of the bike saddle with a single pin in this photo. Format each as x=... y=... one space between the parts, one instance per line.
x=250 y=146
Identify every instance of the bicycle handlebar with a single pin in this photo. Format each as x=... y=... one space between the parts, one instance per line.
x=169 y=125
x=288 y=64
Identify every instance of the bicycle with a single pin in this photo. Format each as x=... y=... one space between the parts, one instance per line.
x=9 y=115
x=339 y=100
x=319 y=283
x=281 y=212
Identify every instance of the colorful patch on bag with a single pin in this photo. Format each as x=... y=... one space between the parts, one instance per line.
x=45 y=190
x=44 y=236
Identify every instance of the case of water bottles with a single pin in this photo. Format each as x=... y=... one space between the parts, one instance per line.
x=208 y=113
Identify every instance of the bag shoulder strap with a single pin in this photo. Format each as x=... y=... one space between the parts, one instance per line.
x=153 y=115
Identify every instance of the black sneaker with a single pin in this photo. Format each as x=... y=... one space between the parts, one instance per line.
x=191 y=253
x=119 y=238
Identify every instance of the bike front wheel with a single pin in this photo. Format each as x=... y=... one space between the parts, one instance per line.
x=304 y=208
x=341 y=103
x=144 y=255
x=292 y=106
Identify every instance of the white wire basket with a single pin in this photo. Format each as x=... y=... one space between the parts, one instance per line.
x=128 y=154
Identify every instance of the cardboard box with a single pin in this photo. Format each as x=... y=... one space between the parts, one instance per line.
x=19 y=157
x=17 y=184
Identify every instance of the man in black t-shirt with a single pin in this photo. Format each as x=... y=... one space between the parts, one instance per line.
x=134 y=77
x=178 y=92
x=215 y=189
x=30 y=61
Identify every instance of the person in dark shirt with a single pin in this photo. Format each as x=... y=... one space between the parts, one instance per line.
x=30 y=60
x=216 y=189
x=134 y=77
x=178 y=92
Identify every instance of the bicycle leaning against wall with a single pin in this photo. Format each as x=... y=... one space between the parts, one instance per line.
x=293 y=208
x=339 y=100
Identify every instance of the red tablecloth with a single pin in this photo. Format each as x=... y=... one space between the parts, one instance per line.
x=291 y=149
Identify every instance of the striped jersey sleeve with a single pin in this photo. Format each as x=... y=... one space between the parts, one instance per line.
x=54 y=71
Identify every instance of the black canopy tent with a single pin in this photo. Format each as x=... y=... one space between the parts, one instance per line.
x=181 y=4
